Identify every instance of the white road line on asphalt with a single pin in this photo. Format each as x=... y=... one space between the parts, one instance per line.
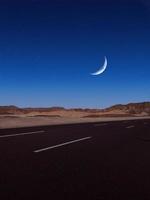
x=130 y=126
x=100 y=124
x=62 y=144
x=20 y=134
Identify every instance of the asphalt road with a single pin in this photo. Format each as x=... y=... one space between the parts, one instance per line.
x=106 y=160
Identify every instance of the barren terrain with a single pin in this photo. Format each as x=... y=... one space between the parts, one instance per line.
x=11 y=116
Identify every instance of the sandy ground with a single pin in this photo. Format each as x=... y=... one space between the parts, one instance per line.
x=17 y=121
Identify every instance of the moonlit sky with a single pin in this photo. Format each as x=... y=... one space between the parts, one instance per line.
x=48 y=48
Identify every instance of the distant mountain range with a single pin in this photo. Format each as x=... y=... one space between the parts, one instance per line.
x=131 y=109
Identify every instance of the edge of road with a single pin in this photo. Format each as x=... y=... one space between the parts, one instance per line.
x=87 y=121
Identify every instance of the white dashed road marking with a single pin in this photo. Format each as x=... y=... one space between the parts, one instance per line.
x=130 y=126
x=20 y=134
x=63 y=144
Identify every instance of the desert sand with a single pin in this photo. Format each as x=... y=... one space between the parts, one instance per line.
x=17 y=121
x=12 y=116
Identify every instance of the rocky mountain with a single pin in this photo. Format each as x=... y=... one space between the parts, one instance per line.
x=130 y=109
x=16 y=110
x=10 y=110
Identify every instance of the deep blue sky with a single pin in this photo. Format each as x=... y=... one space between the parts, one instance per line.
x=48 y=48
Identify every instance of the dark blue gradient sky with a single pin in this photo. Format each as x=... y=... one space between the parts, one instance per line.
x=49 y=48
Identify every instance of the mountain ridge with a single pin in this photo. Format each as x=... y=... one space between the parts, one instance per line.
x=130 y=108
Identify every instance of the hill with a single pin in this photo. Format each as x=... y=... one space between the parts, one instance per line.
x=131 y=109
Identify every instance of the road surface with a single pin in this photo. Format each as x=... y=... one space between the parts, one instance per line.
x=106 y=160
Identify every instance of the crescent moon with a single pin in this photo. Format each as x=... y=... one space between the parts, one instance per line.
x=102 y=69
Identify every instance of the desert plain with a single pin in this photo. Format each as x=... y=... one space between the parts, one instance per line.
x=13 y=117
